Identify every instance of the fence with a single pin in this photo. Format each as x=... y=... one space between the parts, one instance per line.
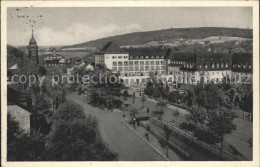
x=212 y=149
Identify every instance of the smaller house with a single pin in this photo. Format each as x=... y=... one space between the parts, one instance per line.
x=89 y=67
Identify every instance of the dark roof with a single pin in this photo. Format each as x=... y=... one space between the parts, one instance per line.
x=111 y=47
x=152 y=53
x=212 y=57
x=16 y=98
x=182 y=56
x=242 y=57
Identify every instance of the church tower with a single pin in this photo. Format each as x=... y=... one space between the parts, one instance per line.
x=33 y=51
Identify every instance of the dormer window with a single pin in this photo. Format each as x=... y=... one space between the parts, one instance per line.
x=222 y=65
x=147 y=57
x=205 y=66
x=212 y=65
x=226 y=65
x=249 y=67
x=217 y=65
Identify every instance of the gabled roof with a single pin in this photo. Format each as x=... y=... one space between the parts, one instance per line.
x=242 y=57
x=182 y=56
x=111 y=47
x=14 y=67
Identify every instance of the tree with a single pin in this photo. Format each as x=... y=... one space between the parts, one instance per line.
x=42 y=70
x=167 y=135
x=133 y=96
x=176 y=114
x=221 y=123
x=161 y=104
x=133 y=111
x=143 y=100
x=69 y=111
x=75 y=137
x=23 y=146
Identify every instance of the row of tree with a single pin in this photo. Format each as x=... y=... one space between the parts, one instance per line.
x=73 y=137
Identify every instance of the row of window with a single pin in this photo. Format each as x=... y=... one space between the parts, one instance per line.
x=177 y=62
x=147 y=57
x=120 y=63
x=241 y=66
x=119 y=57
x=214 y=65
x=142 y=68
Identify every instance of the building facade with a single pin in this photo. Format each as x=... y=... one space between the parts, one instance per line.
x=205 y=67
x=134 y=66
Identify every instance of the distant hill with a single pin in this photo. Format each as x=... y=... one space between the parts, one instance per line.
x=139 y=38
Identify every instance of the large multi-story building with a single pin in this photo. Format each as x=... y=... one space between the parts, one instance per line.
x=134 y=66
x=203 y=67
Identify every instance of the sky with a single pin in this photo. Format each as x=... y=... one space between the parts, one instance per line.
x=67 y=26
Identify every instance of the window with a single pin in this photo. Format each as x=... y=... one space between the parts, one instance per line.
x=157 y=67
x=205 y=66
x=125 y=63
x=244 y=66
x=200 y=66
x=234 y=65
x=152 y=62
x=126 y=68
x=157 y=62
x=226 y=65
x=120 y=57
x=120 y=63
x=217 y=65
x=157 y=56
x=113 y=57
x=212 y=65
x=131 y=63
x=162 y=62
x=131 y=68
x=249 y=67
x=222 y=65
x=152 y=57
x=152 y=67
x=141 y=68
x=142 y=62
x=142 y=57
x=147 y=62
x=120 y=69
x=114 y=63
x=238 y=66
x=136 y=62
x=114 y=68
x=147 y=57
x=136 y=68
x=125 y=57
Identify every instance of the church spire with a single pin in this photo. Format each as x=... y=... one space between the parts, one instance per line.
x=32 y=31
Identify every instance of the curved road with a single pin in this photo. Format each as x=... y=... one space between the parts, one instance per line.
x=119 y=137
